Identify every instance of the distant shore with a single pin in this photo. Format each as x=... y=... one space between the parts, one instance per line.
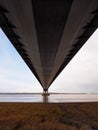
x=49 y=93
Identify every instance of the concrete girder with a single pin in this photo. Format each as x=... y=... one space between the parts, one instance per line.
x=47 y=34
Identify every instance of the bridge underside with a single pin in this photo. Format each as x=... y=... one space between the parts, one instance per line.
x=48 y=33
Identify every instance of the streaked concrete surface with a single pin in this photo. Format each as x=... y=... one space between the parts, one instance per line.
x=52 y=98
x=48 y=34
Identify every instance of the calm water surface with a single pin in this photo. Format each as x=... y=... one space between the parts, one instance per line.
x=52 y=98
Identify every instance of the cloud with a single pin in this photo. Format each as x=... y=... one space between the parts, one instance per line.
x=81 y=74
x=15 y=76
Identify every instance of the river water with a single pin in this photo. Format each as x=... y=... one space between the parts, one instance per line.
x=52 y=98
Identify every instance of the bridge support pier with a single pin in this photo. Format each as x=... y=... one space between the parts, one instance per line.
x=45 y=91
x=45 y=95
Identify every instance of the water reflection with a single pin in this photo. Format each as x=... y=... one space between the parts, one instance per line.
x=49 y=98
x=45 y=98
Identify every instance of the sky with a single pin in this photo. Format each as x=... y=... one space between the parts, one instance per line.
x=79 y=76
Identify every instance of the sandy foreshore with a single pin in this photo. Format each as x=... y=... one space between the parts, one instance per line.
x=48 y=116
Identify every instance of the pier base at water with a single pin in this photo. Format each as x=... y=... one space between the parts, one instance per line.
x=45 y=96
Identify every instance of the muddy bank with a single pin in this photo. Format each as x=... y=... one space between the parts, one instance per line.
x=58 y=116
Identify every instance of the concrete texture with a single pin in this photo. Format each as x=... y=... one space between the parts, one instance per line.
x=47 y=34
